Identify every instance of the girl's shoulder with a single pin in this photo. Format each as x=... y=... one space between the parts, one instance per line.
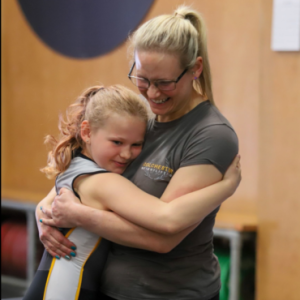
x=94 y=188
x=100 y=189
x=101 y=183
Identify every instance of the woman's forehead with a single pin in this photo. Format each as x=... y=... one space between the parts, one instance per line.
x=156 y=62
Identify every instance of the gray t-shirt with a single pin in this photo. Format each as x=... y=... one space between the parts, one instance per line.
x=190 y=270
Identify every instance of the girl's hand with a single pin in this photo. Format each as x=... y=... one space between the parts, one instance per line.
x=63 y=210
x=233 y=174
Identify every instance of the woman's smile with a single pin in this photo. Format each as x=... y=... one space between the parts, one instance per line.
x=158 y=101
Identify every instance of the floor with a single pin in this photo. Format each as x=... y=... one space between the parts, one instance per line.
x=11 y=292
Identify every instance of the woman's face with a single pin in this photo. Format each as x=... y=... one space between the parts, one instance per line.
x=155 y=66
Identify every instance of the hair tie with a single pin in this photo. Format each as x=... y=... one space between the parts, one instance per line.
x=95 y=92
x=179 y=15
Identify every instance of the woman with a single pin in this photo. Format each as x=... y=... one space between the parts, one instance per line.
x=189 y=147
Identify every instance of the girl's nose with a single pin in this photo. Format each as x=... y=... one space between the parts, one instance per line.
x=125 y=153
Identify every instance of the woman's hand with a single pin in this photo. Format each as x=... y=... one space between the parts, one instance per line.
x=63 y=210
x=233 y=174
x=53 y=240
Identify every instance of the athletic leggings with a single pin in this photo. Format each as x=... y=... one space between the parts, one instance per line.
x=77 y=278
x=104 y=297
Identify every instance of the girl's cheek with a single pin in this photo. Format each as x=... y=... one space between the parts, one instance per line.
x=137 y=152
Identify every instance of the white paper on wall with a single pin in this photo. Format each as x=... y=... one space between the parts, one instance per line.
x=286 y=25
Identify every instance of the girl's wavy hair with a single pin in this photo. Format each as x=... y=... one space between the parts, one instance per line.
x=184 y=34
x=94 y=105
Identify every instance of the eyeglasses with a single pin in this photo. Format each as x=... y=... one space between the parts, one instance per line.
x=163 y=85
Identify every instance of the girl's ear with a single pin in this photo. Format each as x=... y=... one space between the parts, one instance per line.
x=85 y=131
x=198 y=67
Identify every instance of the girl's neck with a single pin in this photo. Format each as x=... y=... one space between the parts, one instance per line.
x=86 y=153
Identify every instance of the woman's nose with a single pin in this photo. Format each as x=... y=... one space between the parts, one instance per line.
x=153 y=91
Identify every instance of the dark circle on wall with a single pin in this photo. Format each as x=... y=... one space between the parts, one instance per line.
x=81 y=28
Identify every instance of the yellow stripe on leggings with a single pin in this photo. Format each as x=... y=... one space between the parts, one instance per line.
x=52 y=266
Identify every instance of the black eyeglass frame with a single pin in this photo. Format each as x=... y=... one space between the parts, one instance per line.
x=155 y=82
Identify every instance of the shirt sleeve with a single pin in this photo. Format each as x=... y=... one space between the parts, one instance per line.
x=215 y=144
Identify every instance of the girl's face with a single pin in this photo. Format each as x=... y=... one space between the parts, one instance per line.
x=156 y=66
x=117 y=143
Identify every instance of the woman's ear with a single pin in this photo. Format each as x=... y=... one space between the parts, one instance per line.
x=85 y=131
x=198 y=67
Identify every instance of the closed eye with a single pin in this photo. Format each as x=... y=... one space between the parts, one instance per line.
x=164 y=83
x=137 y=145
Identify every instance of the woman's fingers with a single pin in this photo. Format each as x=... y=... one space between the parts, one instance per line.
x=56 y=243
x=234 y=165
x=237 y=159
x=60 y=250
x=237 y=162
x=47 y=212
x=238 y=166
x=64 y=190
x=233 y=173
x=49 y=222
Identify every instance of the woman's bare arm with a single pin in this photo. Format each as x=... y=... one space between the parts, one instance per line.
x=171 y=218
x=113 y=228
x=119 y=230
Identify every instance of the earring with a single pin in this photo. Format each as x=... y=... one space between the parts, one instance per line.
x=195 y=78
x=87 y=141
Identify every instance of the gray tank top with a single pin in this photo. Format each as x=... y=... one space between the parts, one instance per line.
x=80 y=165
x=84 y=270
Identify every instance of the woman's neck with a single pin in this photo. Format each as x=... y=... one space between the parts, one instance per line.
x=195 y=100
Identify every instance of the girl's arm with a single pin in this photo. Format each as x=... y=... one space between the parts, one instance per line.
x=124 y=198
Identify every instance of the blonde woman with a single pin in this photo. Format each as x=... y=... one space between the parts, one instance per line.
x=189 y=148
